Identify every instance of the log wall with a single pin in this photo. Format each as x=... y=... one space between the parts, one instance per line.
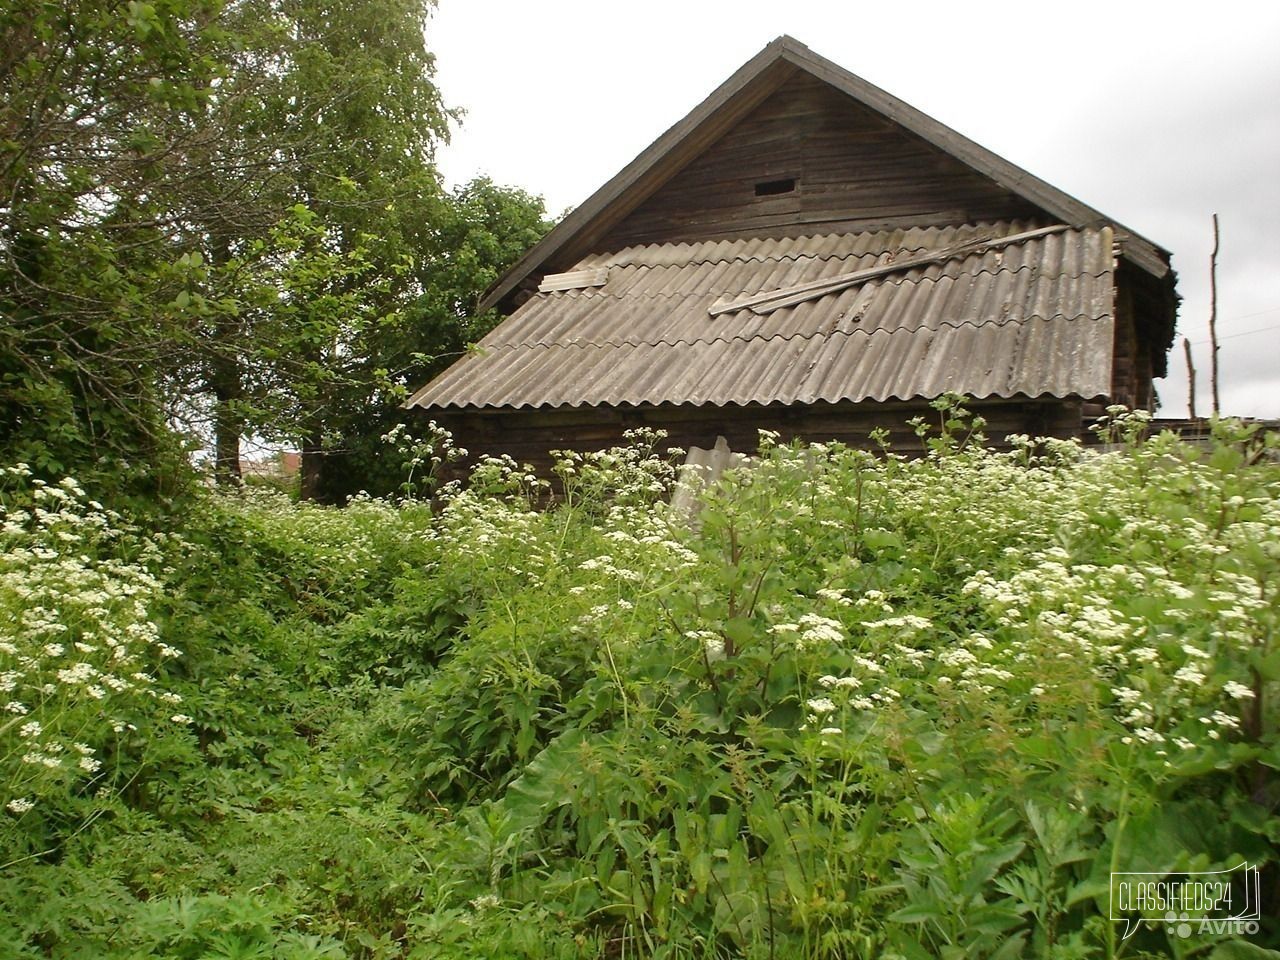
x=530 y=435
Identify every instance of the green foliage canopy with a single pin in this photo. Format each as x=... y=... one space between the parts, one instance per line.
x=221 y=216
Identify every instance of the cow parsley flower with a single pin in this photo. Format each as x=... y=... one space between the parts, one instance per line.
x=851 y=683
x=712 y=643
x=1224 y=720
x=1189 y=675
x=1237 y=691
x=819 y=629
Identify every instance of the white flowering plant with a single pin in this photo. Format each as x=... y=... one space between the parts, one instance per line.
x=423 y=458
x=80 y=655
x=639 y=472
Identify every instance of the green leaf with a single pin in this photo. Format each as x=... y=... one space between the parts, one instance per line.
x=1242 y=950
x=917 y=913
x=740 y=631
x=1268 y=667
x=877 y=539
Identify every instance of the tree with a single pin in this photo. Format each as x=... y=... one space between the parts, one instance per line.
x=476 y=233
x=342 y=115
x=99 y=109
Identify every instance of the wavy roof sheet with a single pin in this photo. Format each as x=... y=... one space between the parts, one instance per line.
x=1031 y=318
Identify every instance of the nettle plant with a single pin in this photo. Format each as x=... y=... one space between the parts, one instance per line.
x=78 y=649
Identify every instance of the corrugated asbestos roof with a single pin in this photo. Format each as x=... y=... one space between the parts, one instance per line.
x=1031 y=318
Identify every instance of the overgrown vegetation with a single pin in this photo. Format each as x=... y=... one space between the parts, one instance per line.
x=872 y=707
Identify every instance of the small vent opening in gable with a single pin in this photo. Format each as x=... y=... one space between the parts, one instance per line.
x=770 y=188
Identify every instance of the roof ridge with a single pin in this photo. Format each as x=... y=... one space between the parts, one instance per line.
x=602 y=259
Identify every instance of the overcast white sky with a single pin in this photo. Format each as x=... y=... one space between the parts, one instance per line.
x=1157 y=114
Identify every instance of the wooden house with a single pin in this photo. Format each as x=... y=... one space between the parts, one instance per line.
x=808 y=254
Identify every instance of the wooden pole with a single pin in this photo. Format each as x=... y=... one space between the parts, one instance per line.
x=1213 y=317
x=1191 y=379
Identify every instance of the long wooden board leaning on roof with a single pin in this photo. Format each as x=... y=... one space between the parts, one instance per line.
x=765 y=303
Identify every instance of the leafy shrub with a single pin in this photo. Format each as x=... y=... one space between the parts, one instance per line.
x=883 y=706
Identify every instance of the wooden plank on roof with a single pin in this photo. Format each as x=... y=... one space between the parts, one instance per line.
x=763 y=303
x=574 y=280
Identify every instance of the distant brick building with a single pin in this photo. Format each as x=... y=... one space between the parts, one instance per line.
x=283 y=466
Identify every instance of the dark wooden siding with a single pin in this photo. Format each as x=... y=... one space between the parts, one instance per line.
x=530 y=435
x=854 y=170
x=1143 y=334
x=1129 y=384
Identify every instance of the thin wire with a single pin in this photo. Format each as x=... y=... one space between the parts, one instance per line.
x=1256 y=313
x=1243 y=333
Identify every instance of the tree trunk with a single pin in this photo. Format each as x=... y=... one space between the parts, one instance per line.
x=311 y=470
x=228 y=422
x=1213 y=317
x=227 y=383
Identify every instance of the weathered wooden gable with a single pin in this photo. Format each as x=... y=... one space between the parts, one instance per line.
x=810 y=160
